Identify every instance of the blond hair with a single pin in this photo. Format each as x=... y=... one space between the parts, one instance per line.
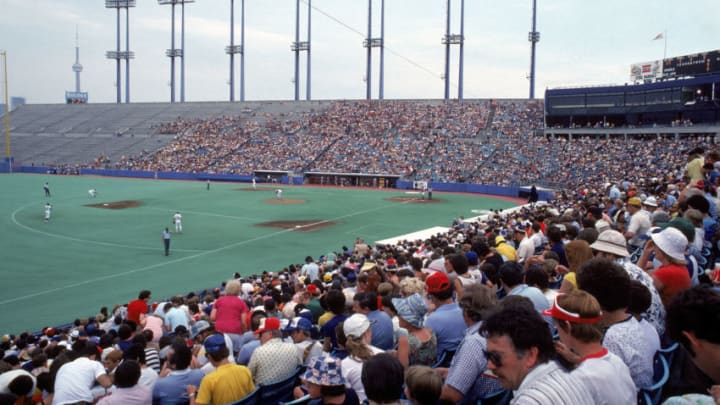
x=233 y=287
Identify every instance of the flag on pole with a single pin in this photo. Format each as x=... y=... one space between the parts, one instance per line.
x=658 y=36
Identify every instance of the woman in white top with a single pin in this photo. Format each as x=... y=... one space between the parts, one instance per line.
x=358 y=333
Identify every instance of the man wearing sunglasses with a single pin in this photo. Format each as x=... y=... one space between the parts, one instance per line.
x=520 y=353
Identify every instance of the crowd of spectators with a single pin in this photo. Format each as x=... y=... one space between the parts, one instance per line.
x=481 y=297
x=555 y=302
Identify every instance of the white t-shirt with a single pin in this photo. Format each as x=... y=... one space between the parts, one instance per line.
x=74 y=381
x=7 y=377
x=352 y=371
x=608 y=379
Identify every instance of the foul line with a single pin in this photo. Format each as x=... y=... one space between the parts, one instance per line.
x=157 y=265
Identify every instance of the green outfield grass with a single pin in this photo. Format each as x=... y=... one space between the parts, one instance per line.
x=87 y=257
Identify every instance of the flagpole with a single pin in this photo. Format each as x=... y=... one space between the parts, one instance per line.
x=665 y=47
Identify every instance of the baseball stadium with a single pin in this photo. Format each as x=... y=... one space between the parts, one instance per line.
x=560 y=248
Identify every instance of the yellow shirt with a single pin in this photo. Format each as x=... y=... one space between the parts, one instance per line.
x=508 y=251
x=325 y=317
x=226 y=384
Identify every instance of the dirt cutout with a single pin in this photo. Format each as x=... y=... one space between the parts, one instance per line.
x=116 y=205
x=302 y=226
x=283 y=201
x=414 y=200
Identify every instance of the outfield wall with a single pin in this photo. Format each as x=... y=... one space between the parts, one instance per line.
x=514 y=192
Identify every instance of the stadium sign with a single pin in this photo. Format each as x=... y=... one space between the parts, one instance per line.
x=679 y=66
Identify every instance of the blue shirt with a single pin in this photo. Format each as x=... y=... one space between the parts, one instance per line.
x=171 y=389
x=246 y=352
x=449 y=326
x=328 y=330
x=382 y=330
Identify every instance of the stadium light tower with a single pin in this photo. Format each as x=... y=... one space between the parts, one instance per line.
x=299 y=46
x=117 y=54
x=534 y=38
x=173 y=52
x=454 y=39
x=233 y=49
x=370 y=43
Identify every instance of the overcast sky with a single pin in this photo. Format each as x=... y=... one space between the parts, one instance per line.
x=582 y=43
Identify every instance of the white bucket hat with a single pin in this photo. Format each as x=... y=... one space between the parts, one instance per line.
x=672 y=242
x=612 y=242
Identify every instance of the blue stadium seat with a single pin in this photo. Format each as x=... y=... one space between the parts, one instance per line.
x=652 y=394
x=500 y=397
x=444 y=359
x=300 y=401
x=669 y=353
x=279 y=391
x=252 y=398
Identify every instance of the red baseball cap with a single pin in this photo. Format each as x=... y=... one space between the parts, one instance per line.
x=268 y=324
x=437 y=282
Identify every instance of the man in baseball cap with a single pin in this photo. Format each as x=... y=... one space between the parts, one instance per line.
x=447 y=320
x=299 y=330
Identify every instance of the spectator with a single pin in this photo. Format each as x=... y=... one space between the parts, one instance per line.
x=359 y=335
x=75 y=379
x=382 y=379
x=465 y=381
x=446 y=320
x=692 y=321
x=416 y=344
x=228 y=383
x=138 y=309
x=520 y=352
x=274 y=360
x=672 y=276
x=325 y=383
x=422 y=385
x=366 y=303
x=512 y=278
x=609 y=284
x=230 y=313
x=335 y=301
x=176 y=376
x=611 y=245
x=300 y=330
x=576 y=316
x=578 y=252
x=127 y=390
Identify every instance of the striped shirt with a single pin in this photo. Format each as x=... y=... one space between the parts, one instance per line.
x=548 y=383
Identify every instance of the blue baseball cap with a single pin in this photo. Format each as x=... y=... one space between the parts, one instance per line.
x=214 y=343
x=299 y=322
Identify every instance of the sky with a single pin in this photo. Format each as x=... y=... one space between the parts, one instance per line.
x=581 y=43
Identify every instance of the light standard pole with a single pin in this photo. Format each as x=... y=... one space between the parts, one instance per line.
x=8 y=156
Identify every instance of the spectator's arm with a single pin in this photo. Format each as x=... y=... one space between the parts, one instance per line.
x=450 y=395
x=403 y=351
x=104 y=380
x=213 y=314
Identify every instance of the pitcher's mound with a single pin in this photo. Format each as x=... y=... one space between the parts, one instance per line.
x=303 y=226
x=284 y=201
x=414 y=200
x=116 y=205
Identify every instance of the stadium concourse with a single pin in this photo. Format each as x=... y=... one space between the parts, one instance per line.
x=613 y=268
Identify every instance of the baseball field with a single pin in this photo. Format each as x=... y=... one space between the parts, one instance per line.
x=99 y=251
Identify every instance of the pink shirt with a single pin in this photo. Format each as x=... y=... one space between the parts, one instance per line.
x=154 y=324
x=229 y=310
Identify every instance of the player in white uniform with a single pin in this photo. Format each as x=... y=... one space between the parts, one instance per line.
x=254 y=184
x=92 y=193
x=177 y=220
x=278 y=194
x=48 y=211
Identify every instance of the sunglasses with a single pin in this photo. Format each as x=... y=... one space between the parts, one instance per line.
x=493 y=357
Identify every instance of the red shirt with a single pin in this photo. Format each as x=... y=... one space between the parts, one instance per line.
x=135 y=308
x=675 y=278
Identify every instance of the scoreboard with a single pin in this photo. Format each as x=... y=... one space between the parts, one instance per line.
x=679 y=66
